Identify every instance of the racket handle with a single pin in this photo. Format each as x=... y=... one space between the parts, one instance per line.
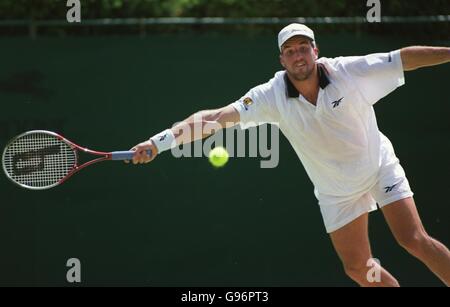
x=125 y=155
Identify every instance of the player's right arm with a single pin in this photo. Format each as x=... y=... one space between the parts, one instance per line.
x=208 y=120
x=254 y=108
x=197 y=126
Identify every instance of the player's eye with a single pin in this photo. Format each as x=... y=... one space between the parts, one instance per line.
x=289 y=52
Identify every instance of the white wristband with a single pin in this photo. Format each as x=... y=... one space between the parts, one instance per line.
x=164 y=140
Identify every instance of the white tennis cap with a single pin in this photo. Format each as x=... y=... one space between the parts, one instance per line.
x=292 y=30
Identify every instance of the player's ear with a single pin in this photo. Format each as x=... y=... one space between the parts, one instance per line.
x=316 y=50
x=281 y=61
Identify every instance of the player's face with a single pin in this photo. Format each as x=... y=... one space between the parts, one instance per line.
x=298 y=57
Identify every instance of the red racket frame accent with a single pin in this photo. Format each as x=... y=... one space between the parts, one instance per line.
x=76 y=148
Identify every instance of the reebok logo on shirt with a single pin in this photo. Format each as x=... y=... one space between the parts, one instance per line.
x=337 y=102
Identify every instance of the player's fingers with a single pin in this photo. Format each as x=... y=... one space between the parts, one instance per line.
x=148 y=155
x=140 y=156
x=141 y=149
x=136 y=157
x=141 y=152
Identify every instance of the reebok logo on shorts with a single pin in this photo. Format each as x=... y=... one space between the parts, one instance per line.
x=389 y=189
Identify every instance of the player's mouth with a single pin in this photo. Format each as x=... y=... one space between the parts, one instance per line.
x=300 y=65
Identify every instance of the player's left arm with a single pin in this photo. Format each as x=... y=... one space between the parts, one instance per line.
x=420 y=56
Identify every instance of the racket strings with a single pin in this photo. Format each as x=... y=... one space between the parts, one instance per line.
x=39 y=160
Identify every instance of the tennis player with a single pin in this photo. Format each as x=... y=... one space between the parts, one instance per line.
x=324 y=106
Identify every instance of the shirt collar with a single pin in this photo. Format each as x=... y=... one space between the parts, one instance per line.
x=292 y=92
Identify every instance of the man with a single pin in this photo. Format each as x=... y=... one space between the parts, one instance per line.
x=325 y=109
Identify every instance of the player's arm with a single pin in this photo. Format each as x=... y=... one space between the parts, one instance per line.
x=197 y=126
x=208 y=120
x=420 y=56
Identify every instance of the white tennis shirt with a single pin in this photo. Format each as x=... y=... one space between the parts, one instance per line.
x=337 y=140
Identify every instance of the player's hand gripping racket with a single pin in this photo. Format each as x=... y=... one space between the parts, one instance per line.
x=42 y=159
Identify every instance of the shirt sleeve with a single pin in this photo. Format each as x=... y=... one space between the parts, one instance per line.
x=375 y=75
x=257 y=106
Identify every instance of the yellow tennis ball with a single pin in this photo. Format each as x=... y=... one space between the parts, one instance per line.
x=218 y=157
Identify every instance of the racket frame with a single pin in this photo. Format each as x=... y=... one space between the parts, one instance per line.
x=75 y=147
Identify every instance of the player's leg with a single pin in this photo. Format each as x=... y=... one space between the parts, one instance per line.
x=351 y=243
x=404 y=222
x=394 y=196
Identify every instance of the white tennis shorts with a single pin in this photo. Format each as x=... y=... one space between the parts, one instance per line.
x=391 y=185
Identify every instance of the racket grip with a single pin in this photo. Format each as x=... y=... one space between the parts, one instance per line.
x=125 y=155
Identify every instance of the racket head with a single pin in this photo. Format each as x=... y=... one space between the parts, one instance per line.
x=38 y=159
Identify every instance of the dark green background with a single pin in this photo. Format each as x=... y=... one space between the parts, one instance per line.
x=179 y=222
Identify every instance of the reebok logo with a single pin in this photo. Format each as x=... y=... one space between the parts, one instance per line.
x=336 y=102
x=389 y=189
x=162 y=137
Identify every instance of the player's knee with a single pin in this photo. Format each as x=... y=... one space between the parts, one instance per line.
x=415 y=243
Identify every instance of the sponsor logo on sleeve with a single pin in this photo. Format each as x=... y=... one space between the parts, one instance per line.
x=247 y=102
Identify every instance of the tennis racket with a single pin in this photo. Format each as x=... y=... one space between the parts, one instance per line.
x=40 y=159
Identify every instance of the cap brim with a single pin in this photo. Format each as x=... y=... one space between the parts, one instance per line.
x=291 y=35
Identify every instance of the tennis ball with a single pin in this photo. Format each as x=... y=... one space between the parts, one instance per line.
x=218 y=157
